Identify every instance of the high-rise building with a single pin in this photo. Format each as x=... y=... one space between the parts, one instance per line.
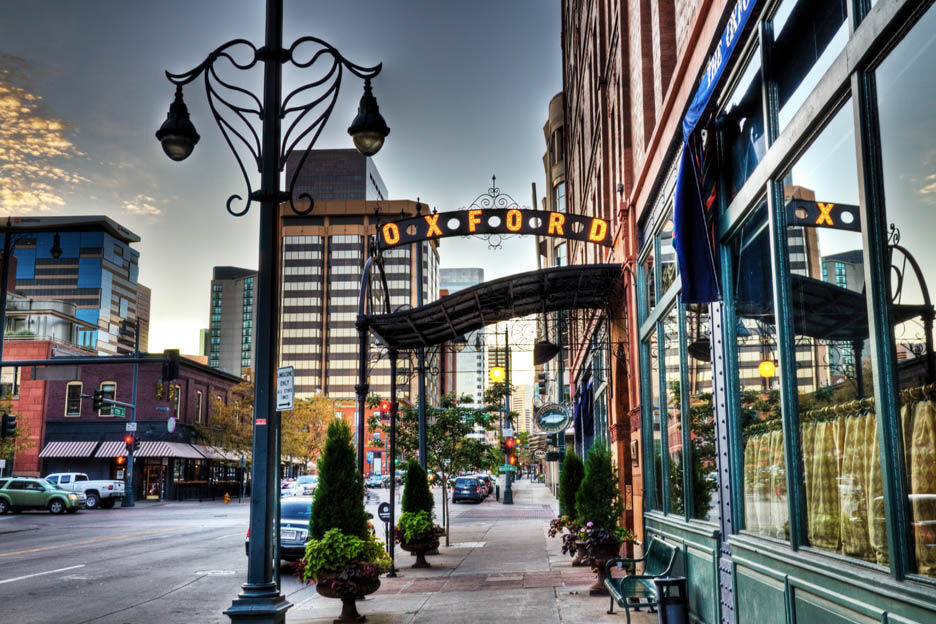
x=469 y=362
x=521 y=401
x=231 y=329
x=96 y=271
x=144 y=294
x=204 y=341
x=335 y=174
x=323 y=260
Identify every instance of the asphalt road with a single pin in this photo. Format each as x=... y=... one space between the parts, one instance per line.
x=153 y=563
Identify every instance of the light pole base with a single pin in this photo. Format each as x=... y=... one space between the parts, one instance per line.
x=259 y=604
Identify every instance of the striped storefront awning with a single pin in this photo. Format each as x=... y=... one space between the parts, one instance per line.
x=215 y=452
x=112 y=449
x=68 y=449
x=168 y=449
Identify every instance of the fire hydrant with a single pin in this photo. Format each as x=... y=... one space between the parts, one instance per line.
x=227 y=498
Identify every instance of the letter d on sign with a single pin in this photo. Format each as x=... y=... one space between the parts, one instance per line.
x=599 y=229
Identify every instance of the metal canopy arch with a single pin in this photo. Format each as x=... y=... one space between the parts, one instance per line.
x=547 y=290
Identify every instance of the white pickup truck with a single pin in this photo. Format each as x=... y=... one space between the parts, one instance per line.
x=100 y=493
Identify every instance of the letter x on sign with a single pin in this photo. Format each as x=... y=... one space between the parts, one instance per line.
x=825 y=214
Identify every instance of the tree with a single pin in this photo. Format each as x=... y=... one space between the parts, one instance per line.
x=10 y=446
x=305 y=427
x=229 y=425
x=416 y=494
x=339 y=496
x=598 y=499
x=570 y=477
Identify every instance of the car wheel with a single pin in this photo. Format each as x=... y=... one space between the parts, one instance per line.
x=93 y=501
x=56 y=506
x=4 y=506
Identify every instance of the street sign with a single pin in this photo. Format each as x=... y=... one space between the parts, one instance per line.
x=553 y=418
x=383 y=512
x=539 y=454
x=2 y=464
x=131 y=426
x=508 y=468
x=284 y=388
x=508 y=432
x=370 y=456
x=118 y=412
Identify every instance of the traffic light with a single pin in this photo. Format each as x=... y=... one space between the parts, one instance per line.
x=512 y=460
x=541 y=384
x=385 y=407
x=121 y=460
x=98 y=400
x=8 y=426
x=130 y=443
x=510 y=443
x=171 y=365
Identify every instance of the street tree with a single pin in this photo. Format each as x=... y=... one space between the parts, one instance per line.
x=229 y=425
x=305 y=428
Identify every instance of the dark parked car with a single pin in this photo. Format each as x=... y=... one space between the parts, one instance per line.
x=295 y=512
x=467 y=488
x=488 y=484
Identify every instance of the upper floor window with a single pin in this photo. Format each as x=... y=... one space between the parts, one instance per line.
x=73 y=398
x=109 y=388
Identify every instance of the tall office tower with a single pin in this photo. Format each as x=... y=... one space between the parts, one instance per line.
x=336 y=174
x=204 y=341
x=323 y=260
x=231 y=328
x=470 y=373
x=522 y=403
x=97 y=272
x=144 y=295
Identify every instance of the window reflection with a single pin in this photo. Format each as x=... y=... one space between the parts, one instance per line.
x=668 y=267
x=808 y=36
x=701 y=412
x=742 y=127
x=673 y=410
x=649 y=271
x=765 y=492
x=841 y=455
x=907 y=127
x=653 y=345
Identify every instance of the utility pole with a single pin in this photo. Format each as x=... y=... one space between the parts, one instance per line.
x=129 y=499
x=508 y=490
x=421 y=359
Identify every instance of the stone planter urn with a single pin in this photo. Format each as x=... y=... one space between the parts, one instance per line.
x=579 y=556
x=420 y=547
x=598 y=559
x=348 y=591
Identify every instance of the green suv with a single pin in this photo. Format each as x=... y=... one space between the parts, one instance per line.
x=21 y=493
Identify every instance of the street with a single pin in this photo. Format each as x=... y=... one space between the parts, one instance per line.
x=154 y=563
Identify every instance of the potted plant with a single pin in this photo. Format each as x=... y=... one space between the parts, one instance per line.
x=342 y=558
x=599 y=507
x=570 y=478
x=415 y=530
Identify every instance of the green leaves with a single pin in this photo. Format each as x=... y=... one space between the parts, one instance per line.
x=573 y=471
x=335 y=551
x=413 y=526
x=339 y=497
x=598 y=499
x=416 y=494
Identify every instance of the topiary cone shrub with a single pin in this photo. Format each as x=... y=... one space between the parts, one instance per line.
x=573 y=471
x=598 y=499
x=416 y=493
x=339 y=496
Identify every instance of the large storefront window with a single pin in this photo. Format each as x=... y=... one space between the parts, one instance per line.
x=668 y=270
x=838 y=429
x=674 y=430
x=808 y=35
x=742 y=126
x=701 y=412
x=657 y=450
x=906 y=89
x=765 y=489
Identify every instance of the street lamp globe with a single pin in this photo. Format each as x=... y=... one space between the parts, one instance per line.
x=368 y=130
x=497 y=374
x=177 y=135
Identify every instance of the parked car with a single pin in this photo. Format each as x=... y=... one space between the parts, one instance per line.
x=308 y=483
x=374 y=481
x=488 y=483
x=467 y=488
x=294 y=528
x=100 y=493
x=19 y=493
x=290 y=488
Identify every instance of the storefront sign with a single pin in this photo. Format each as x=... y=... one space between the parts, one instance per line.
x=553 y=418
x=493 y=221
x=539 y=454
x=823 y=214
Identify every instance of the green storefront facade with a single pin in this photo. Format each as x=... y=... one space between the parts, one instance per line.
x=788 y=428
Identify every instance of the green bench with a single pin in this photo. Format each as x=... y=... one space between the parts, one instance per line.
x=639 y=588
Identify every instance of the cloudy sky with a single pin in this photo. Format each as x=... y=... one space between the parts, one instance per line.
x=465 y=89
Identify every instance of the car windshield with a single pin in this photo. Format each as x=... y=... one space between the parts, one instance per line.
x=296 y=510
x=307 y=479
x=49 y=485
x=466 y=483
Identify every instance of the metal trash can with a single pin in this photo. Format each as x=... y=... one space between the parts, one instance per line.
x=497 y=492
x=673 y=602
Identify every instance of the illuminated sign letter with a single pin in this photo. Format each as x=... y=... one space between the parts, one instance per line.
x=433 y=221
x=825 y=214
x=556 y=219
x=391 y=234
x=473 y=219
x=514 y=220
x=599 y=230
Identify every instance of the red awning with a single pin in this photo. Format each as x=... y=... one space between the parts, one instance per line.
x=112 y=449
x=68 y=449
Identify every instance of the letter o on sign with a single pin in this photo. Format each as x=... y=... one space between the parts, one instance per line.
x=391 y=234
x=514 y=220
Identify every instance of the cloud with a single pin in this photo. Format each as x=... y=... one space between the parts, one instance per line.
x=142 y=205
x=33 y=146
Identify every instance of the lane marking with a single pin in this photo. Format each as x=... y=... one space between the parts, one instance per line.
x=226 y=536
x=94 y=541
x=28 y=576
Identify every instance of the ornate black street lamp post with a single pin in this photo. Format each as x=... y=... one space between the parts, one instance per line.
x=260 y=600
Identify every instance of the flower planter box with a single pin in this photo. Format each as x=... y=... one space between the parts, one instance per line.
x=348 y=591
x=419 y=548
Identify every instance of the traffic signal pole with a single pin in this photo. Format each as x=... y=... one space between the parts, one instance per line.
x=508 y=490
x=129 y=499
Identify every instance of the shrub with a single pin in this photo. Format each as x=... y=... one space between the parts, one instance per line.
x=598 y=499
x=569 y=480
x=413 y=526
x=416 y=493
x=339 y=496
x=341 y=556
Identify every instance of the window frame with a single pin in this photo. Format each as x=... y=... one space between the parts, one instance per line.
x=69 y=414
x=105 y=412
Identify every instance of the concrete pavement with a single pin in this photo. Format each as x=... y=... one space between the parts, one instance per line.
x=500 y=565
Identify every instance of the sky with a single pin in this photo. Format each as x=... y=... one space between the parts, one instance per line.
x=465 y=89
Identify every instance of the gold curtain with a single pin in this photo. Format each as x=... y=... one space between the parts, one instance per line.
x=921 y=449
x=765 y=501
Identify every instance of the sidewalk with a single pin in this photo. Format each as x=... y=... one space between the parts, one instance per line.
x=500 y=566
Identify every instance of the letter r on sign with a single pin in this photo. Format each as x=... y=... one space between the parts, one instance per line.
x=556 y=219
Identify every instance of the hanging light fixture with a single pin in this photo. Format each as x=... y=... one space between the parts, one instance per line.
x=368 y=130
x=543 y=351
x=177 y=135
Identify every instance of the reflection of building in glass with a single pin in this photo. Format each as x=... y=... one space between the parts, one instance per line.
x=470 y=373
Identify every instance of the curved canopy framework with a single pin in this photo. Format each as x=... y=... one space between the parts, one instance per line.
x=547 y=290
